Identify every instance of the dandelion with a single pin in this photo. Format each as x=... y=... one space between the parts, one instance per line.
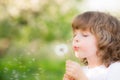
x=61 y=49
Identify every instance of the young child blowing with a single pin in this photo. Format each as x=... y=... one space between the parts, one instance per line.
x=96 y=43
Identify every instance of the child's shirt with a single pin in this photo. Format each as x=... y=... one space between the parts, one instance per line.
x=97 y=73
x=113 y=71
x=103 y=73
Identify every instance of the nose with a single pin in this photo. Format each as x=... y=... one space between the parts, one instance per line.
x=75 y=42
x=76 y=39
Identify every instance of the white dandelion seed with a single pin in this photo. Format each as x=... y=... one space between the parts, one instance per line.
x=61 y=49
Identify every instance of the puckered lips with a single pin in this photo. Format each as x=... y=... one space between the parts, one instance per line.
x=76 y=48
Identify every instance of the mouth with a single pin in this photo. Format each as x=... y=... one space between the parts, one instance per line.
x=76 y=48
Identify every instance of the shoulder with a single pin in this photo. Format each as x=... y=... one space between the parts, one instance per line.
x=114 y=65
x=113 y=71
x=97 y=73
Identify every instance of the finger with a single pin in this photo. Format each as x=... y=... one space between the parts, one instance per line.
x=70 y=75
x=69 y=69
x=66 y=77
x=71 y=63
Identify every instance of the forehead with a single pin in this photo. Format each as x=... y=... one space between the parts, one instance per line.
x=80 y=26
x=81 y=31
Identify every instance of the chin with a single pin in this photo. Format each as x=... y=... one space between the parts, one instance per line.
x=77 y=54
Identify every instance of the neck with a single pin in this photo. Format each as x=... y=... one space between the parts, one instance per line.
x=94 y=62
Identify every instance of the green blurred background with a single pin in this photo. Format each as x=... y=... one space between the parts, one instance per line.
x=35 y=38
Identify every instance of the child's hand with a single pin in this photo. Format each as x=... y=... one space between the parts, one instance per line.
x=67 y=77
x=74 y=70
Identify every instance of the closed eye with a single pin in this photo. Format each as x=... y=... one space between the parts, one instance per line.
x=85 y=35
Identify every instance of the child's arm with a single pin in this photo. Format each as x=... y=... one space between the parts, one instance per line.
x=74 y=70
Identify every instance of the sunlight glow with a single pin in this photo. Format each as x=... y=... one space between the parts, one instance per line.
x=102 y=5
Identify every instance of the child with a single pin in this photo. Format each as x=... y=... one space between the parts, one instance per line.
x=97 y=43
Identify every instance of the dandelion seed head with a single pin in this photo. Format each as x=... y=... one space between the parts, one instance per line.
x=61 y=49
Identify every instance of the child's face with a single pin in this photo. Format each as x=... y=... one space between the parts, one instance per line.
x=84 y=44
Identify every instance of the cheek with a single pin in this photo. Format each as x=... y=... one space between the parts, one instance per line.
x=89 y=46
x=91 y=49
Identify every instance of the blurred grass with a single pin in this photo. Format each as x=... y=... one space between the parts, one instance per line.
x=22 y=68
